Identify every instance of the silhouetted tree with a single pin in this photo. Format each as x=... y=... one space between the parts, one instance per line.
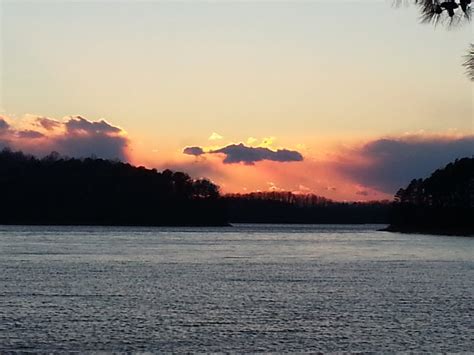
x=444 y=11
x=205 y=189
x=287 y=207
x=469 y=63
x=443 y=202
x=448 y=12
x=60 y=190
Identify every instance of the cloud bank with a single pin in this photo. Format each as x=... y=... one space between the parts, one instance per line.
x=387 y=164
x=74 y=137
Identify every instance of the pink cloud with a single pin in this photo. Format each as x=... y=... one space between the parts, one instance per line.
x=74 y=137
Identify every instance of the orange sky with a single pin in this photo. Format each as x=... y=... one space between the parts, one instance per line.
x=349 y=100
x=368 y=168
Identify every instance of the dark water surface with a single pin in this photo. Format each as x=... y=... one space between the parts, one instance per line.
x=247 y=288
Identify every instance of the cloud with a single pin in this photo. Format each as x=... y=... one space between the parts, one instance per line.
x=388 y=164
x=215 y=136
x=4 y=126
x=101 y=146
x=29 y=134
x=5 y=133
x=239 y=153
x=75 y=137
x=47 y=123
x=80 y=125
x=196 y=151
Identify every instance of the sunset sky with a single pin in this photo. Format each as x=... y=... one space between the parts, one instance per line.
x=345 y=99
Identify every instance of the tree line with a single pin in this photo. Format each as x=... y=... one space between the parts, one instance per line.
x=61 y=190
x=67 y=191
x=288 y=207
x=441 y=203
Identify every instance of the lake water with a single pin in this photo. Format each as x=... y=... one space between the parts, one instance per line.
x=247 y=288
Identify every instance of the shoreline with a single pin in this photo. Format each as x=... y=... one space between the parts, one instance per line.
x=117 y=225
x=451 y=231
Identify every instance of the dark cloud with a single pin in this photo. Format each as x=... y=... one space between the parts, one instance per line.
x=362 y=193
x=29 y=134
x=48 y=123
x=101 y=146
x=4 y=134
x=79 y=124
x=84 y=138
x=239 y=153
x=196 y=151
x=394 y=162
x=4 y=126
x=76 y=137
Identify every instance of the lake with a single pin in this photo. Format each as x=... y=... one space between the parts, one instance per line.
x=245 y=288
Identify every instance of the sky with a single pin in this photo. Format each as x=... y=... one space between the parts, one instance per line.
x=345 y=99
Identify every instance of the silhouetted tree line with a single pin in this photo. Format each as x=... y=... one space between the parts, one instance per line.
x=441 y=203
x=65 y=191
x=287 y=207
x=60 y=190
